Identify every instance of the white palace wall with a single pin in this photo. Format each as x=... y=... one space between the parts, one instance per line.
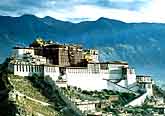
x=51 y=71
x=29 y=70
x=131 y=76
x=19 y=52
x=86 y=79
x=115 y=71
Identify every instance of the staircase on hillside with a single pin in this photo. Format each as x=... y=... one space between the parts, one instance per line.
x=116 y=87
x=138 y=101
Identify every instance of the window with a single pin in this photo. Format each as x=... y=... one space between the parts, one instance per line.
x=38 y=68
x=35 y=68
x=17 y=66
x=32 y=68
x=20 y=68
x=29 y=68
x=26 y=68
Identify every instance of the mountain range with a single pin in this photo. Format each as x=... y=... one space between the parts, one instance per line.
x=140 y=44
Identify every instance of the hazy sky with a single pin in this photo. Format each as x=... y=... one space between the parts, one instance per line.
x=80 y=10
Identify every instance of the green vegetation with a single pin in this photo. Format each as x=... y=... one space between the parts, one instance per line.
x=124 y=98
x=33 y=108
x=77 y=93
x=47 y=87
x=7 y=107
x=23 y=106
x=157 y=91
x=44 y=90
x=4 y=82
x=33 y=90
x=107 y=103
x=24 y=86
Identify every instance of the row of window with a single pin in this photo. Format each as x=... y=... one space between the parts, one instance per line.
x=144 y=79
x=31 y=68
x=85 y=71
x=77 y=71
x=50 y=69
x=28 y=68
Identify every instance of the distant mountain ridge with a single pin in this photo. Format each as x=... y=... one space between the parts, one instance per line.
x=141 y=44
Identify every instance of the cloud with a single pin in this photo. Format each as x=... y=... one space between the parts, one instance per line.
x=154 y=11
x=15 y=6
x=80 y=10
x=91 y=12
x=122 y=0
x=19 y=7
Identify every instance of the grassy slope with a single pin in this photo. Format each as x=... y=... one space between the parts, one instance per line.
x=25 y=87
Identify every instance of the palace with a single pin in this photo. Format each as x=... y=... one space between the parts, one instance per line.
x=79 y=67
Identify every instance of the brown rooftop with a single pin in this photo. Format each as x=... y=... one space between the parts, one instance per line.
x=118 y=62
x=143 y=76
x=111 y=62
x=18 y=47
x=62 y=45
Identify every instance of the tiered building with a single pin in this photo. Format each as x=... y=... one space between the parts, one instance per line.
x=79 y=67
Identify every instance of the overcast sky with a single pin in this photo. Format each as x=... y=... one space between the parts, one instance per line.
x=80 y=10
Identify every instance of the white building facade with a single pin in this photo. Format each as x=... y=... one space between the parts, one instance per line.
x=92 y=77
x=26 y=69
x=145 y=83
x=19 y=52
